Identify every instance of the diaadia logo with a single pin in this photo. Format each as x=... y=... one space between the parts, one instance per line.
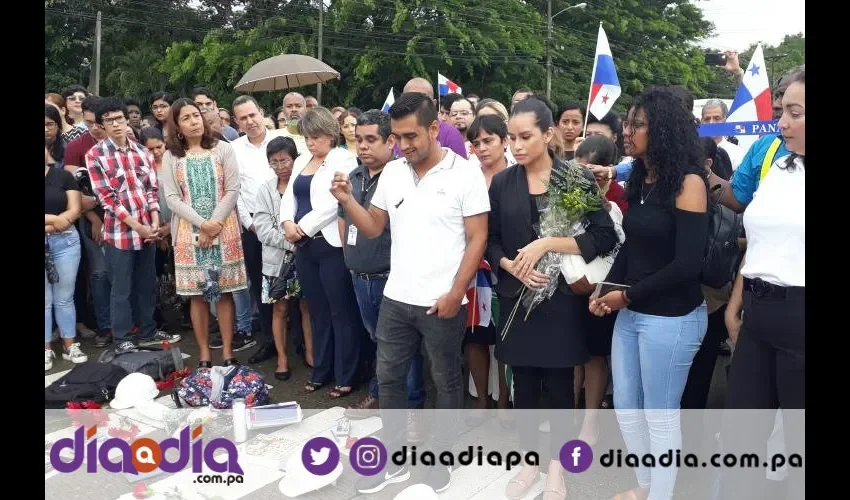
x=144 y=455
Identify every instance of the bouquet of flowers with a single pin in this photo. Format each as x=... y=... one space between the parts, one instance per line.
x=571 y=196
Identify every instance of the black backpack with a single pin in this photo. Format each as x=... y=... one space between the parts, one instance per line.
x=85 y=382
x=722 y=253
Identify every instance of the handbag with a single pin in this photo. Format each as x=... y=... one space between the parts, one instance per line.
x=582 y=276
x=281 y=284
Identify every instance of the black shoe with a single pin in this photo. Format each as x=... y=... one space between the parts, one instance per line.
x=204 y=364
x=283 y=376
x=215 y=341
x=102 y=340
x=231 y=362
x=391 y=474
x=265 y=352
x=439 y=478
x=243 y=340
x=158 y=338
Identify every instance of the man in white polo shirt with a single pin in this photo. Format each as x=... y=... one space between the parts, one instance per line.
x=250 y=151
x=437 y=205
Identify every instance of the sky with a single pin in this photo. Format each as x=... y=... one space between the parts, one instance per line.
x=740 y=23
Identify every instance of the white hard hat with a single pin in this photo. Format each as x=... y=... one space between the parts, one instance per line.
x=133 y=390
x=417 y=492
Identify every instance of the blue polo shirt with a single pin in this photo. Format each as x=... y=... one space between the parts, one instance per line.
x=745 y=180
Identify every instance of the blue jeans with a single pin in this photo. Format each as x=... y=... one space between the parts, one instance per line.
x=59 y=297
x=101 y=286
x=369 y=294
x=242 y=303
x=133 y=291
x=650 y=360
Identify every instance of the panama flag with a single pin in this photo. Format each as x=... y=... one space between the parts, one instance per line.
x=753 y=100
x=605 y=86
x=389 y=102
x=480 y=296
x=447 y=86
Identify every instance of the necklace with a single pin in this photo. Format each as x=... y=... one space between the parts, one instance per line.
x=642 y=197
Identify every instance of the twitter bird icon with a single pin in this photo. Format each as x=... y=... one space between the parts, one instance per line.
x=320 y=456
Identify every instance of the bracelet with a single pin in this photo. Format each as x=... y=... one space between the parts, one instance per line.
x=626 y=298
x=610 y=173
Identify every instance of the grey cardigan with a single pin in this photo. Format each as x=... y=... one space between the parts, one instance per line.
x=268 y=229
x=180 y=209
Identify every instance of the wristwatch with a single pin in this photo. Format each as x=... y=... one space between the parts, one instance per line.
x=611 y=171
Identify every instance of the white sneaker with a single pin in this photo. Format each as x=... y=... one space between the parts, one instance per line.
x=74 y=354
x=48 y=359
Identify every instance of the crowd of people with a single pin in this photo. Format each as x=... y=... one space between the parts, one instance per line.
x=362 y=235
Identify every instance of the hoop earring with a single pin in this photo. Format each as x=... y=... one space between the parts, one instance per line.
x=179 y=136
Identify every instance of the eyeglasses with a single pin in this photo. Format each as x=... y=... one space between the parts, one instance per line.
x=633 y=125
x=460 y=113
x=157 y=107
x=75 y=98
x=280 y=163
x=117 y=120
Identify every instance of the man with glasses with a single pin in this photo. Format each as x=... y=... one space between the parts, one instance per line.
x=160 y=106
x=462 y=115
x=123 y=175
x=209 y=109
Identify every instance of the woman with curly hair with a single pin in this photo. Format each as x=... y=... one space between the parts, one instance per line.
x=662 y=318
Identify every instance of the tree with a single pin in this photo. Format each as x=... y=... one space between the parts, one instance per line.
x=651 y=42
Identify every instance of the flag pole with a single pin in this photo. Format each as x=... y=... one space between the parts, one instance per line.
x=590 y=92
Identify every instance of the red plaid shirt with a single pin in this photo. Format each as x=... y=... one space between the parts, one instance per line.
x=125 y=183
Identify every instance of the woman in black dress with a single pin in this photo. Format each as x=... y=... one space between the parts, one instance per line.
x=551 y=342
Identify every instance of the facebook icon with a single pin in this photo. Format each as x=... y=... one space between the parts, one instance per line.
x=576 y=456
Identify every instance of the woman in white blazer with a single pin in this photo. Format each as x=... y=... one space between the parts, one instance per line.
x=308 y=212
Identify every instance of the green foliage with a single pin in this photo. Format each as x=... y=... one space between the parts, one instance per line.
x=488 y=47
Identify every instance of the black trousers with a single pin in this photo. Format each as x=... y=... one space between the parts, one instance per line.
x=695 y=396
x=527 y=386
x=768 y=372
x=253 y=251
x=337 y=328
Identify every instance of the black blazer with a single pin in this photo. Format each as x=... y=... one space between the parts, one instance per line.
x=510 y=227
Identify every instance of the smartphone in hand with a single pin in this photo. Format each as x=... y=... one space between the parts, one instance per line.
x=715 y=59
x=603 y=288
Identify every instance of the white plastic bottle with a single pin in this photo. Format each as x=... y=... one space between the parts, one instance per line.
x=240 y=424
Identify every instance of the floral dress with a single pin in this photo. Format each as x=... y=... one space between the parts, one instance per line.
x=200 y=179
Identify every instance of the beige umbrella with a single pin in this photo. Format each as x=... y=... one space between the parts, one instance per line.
x=284 y=72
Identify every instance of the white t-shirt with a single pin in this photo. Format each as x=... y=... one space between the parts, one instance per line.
x=427 y=224
x=775 y=223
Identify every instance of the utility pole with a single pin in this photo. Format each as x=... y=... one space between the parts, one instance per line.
x=94 y=76
x=321 y=30
x=549 y=52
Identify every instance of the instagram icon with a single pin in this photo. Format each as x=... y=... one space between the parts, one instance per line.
x=368 y=456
